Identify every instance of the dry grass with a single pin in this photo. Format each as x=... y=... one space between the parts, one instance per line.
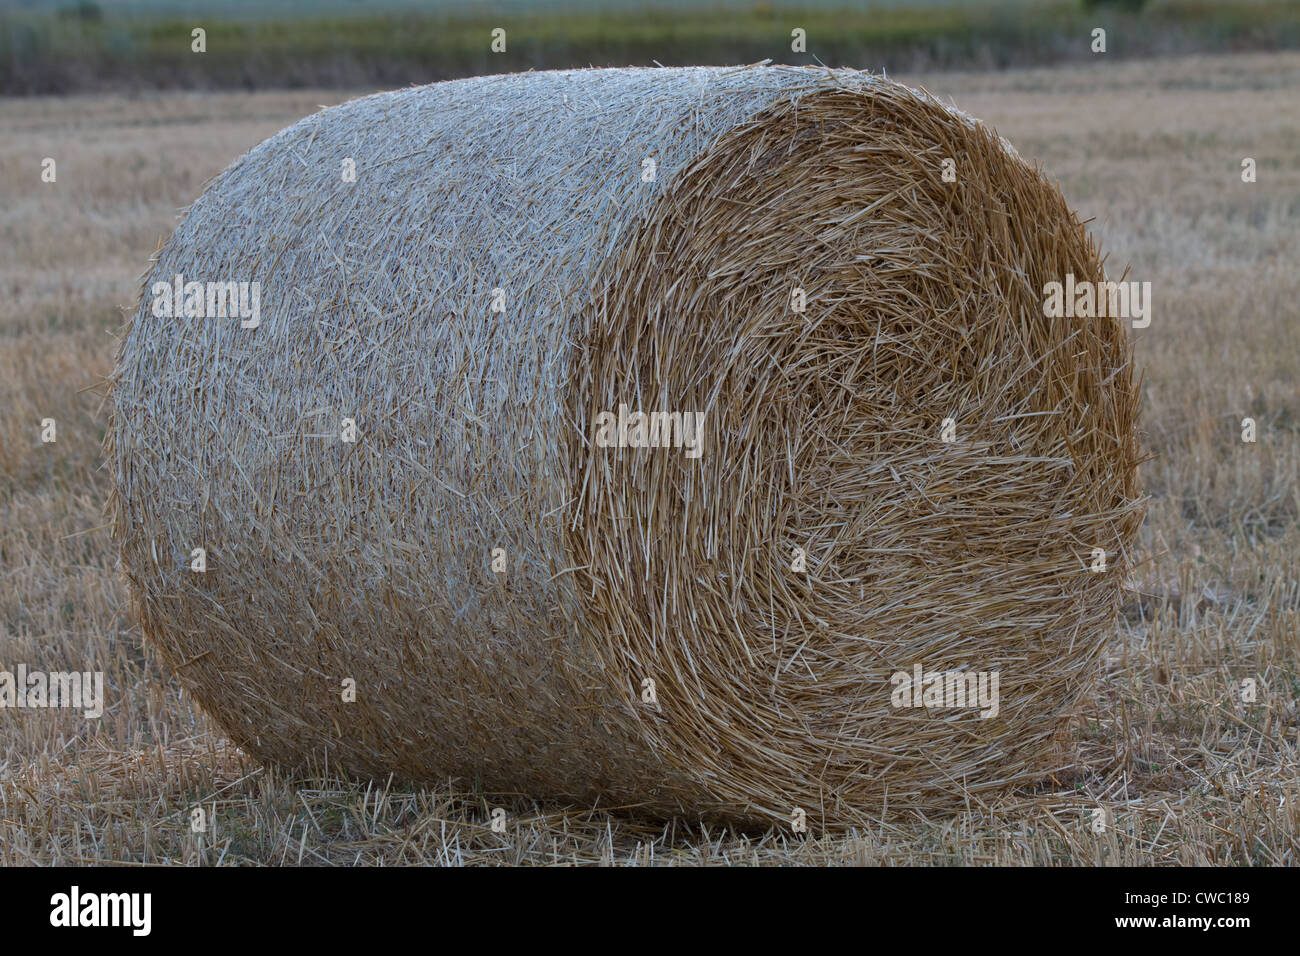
x=1190 y=774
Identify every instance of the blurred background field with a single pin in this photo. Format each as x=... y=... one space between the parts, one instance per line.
x=1148 y=149
x=54 y=46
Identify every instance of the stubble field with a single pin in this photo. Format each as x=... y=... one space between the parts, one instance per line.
x=1184 y=769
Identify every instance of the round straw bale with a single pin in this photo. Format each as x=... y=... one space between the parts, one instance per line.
x=904 y=466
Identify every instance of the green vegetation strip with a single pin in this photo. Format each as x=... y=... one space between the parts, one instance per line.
x=87 y=47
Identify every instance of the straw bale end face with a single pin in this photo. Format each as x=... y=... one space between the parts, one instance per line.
x=700 y=420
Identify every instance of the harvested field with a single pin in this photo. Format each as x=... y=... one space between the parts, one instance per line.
x=1189 y=771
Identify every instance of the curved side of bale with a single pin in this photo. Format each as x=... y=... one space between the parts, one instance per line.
x=330 y=560
x=369 y=561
